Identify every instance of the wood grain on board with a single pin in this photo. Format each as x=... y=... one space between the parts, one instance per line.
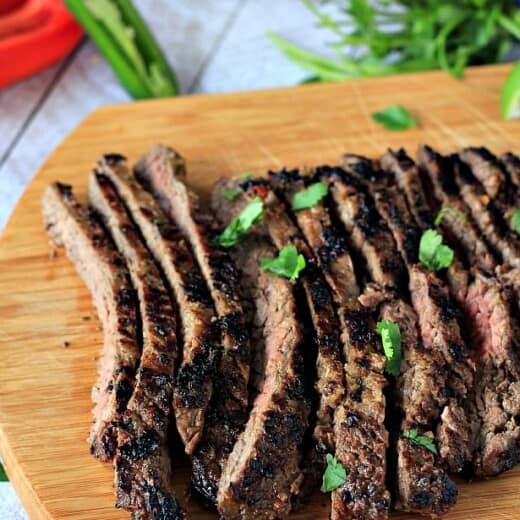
x=45 y=385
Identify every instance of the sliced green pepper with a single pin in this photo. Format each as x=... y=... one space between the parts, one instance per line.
x=123 y=38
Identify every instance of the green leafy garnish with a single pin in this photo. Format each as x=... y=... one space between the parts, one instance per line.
x=309 y=197
x=230 y=193
x=335 y=475
x=451 y=213
x=433 y=253
x=395 y=118
x=515 y=219
x=246 y=176
x=241 y=224
x=510 y=95
x=391 y=339
x=288 y=264
x=421 y=440
x=3 y=474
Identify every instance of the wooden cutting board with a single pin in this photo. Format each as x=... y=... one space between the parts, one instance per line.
x=49 y=335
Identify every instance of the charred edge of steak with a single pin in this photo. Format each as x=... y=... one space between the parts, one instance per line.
x=105 y=274
x=511 y=164
x=494 y=332
x=323 y=237
x=406 y=174
x=367 y=231
x=193 y=384
x=462 y=229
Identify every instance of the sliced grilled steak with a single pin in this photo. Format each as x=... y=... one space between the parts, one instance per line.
x=511 y=164
x=330 y=379
x=461 y=227
x=487 y=218
x=263 y=470
x=423 y=485
x=329 y=246
x=490 y=172
x=104 y=272
x=495 y=334
x=367 y=232
x=162 y=171
x=361 y=436
x=193 y=384
x=143 y=466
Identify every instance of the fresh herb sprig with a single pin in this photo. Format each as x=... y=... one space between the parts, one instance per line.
x=241 y=224
x=309 y=197
x=3 y=474
x=288 y=264
x=450 y=214
x=395 y=118
x=335 y=475
x=381 y=37
x=515 y=219
x=433 y=253
x=391 y=339
x=420 y=440
x=231 y=193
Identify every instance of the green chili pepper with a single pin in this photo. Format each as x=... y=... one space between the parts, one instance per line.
x=125 y=41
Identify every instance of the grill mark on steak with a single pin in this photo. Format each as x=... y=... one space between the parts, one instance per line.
x=104 y=272
x=511 y=164
x=142 y=462
x=329 y=364
x=263 y=470
x=361 y=435
x=162 y=171
x=367 y=232
x=483 y=210
x=193 y=382
x=422 y=484
x=463 y=230
x=329 y=246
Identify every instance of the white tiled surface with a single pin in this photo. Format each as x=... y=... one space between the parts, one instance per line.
x=215 y=46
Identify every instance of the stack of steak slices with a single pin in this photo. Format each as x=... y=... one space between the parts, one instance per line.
x=267 y=378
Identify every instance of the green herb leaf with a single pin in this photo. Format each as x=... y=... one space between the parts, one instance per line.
x=515 y=219
x=335 y=475
x=421 y=440
x=3 y=474
x=451 y=213
x=309 y=197
x=287 y=264
x=395 y=118
x=241 y=224
x=391 y=339
x=246 y=176
x=231 y=194
x=433 y=253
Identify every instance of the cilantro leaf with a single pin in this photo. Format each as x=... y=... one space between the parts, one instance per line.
x=391 y=339
x=335 y=475
x=287 y=264
x=421 y=440
x=515 y=219
x=230 y=193
x=395 y=118
x=3 y=474
x=433 y=253
x=241 y=224
x=451 y=213
x=309 y=197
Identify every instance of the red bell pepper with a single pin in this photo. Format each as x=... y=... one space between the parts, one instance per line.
x=33 y=35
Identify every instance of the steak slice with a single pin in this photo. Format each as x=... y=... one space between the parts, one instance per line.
x=485 y=215
x=143 y=466
x=193 y=382
x=263 y=470
x=461 y=227
x=492 y=174
x=511 y=164
x=368 y=234
x=103 y=270
x=162 y=171
x=422 y=484
x=329 y=246
x=495 y=334
x=329 y=363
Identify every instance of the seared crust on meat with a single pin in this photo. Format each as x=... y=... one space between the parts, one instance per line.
x=105 y=274
x=143 y=475
x=193 y=382
x=511 y=164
